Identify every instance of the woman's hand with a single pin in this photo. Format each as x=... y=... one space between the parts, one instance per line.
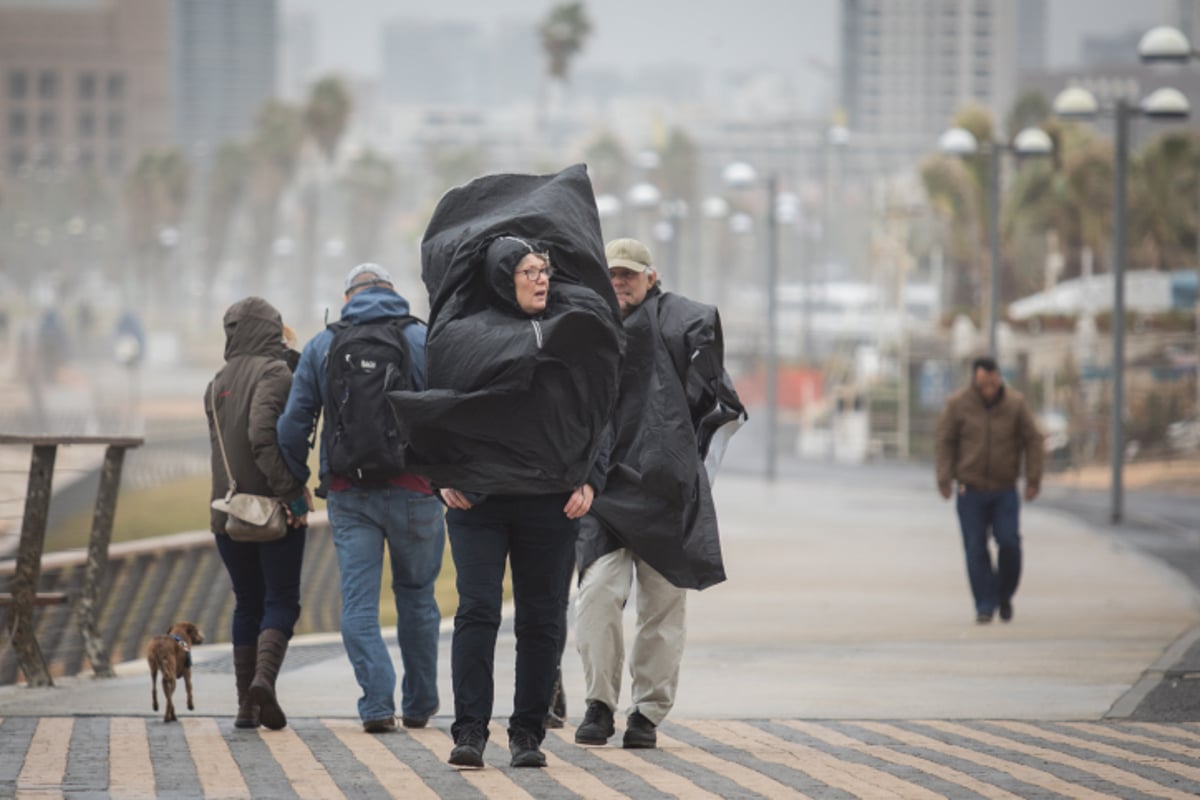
x=455 y=499
x=580 y=502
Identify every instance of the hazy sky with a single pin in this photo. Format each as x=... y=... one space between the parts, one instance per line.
x=796 y=35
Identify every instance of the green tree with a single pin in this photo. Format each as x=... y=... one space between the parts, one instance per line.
x=325 y=116
x=369 y=185
x=1030 y=109
x=156 y=194
x=607 y=163
x=227 y=183
x=274 y=151
x=563 y=33
x=1164 y=201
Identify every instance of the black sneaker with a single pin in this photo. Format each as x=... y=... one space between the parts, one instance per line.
x=982 y=618
x=1005 y=610
x=639 y=733
x=597 y=725
x=468 y=748
x=524 y=748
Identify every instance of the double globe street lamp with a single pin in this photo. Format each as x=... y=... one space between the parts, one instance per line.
x=1163 y=104
x=1030 y=142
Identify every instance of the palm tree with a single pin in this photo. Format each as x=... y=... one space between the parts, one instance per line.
x=1163 y=203
x=274 y=151
x=325 y=116
x=227 y=183
x=955 y=197
x=156 y=194
x=369 y=184
x=1070 y=195
x=563 y=33
x=607 y=163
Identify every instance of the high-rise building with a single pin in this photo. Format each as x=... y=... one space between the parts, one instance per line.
x=1184 y=15
x=83 y=84
x=1032 y=25
x=224 y=55
x=909 y=65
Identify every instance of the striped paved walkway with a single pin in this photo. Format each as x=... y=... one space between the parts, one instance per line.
x=140 y=757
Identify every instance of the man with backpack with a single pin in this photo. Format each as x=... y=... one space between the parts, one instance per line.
x=345 y=371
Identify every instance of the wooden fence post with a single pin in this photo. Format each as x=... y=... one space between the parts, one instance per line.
x=97 y=561
x=29 y=563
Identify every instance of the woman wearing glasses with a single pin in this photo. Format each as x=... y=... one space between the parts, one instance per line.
x=522 y=362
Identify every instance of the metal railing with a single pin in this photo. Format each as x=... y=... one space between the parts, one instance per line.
x=150 y=584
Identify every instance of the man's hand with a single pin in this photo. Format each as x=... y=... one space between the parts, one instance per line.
x=946 y=491
x=1031 y=491
x=455 y=499
x=580 y=502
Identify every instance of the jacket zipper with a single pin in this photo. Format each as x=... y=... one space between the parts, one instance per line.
x=537 y=330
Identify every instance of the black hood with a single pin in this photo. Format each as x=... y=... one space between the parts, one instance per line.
x=253 y=327
x=501 y=259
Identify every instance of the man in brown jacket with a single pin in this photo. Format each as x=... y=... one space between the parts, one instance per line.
x=983 y=434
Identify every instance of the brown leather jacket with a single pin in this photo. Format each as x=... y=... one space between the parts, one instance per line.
x=982 y=446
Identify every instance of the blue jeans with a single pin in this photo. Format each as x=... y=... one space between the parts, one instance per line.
x=266 y=583
x=411 y=523
x=999 y=511
x=534 y=535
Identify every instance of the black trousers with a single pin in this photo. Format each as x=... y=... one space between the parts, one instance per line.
x=535 y=537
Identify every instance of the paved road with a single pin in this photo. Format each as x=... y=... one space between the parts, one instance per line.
x=758 y=758
x=839 y=660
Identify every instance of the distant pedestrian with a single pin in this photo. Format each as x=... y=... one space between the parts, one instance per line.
x=985 y=434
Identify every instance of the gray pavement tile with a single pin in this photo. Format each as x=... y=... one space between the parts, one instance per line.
x=87 y=760
x=616 y=778
x=1070 y=774
x=174 y=772
x=261 y=772
x=353 y=779
x=796 y=779
x=15 y=735
x=711 y=781
x=983 y=773
x=901 y=771
x=439 y=776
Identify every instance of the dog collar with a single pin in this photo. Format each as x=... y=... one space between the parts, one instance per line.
x=187 y=648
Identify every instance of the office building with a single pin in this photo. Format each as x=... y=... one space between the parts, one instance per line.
x=83 y=84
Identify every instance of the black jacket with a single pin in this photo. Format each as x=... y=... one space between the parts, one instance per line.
x=514 y=404
x=675 y=395
x=249 y=394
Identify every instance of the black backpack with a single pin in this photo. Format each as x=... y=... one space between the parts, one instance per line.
x=365 y=361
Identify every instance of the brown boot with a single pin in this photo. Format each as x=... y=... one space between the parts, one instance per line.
x=272 y=646
x=244 y=660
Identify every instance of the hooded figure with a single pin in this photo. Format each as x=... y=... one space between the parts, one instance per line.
x=514 y=399
x=245 y=398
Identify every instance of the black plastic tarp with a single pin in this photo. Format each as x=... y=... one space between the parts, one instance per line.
x=514 y=404
x=675 y=395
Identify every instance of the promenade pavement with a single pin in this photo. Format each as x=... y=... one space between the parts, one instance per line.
x=840 y=659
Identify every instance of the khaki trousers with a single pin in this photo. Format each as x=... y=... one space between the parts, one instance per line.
x=658 y=639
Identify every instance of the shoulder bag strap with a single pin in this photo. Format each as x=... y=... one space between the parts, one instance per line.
x=212 y=407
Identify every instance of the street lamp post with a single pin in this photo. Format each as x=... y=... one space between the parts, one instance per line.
x=961 y=142
x=1163 y=104
x=1167 y=45
x=740 y=175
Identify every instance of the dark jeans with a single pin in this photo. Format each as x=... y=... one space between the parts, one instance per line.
x=999 y=511
x=266 y=583
x=533 y=534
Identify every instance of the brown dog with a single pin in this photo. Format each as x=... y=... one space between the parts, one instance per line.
x=172 y=653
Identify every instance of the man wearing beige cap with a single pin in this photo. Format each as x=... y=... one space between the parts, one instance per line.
x=655 y=520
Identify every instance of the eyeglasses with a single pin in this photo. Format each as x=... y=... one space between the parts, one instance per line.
x=535 y=275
